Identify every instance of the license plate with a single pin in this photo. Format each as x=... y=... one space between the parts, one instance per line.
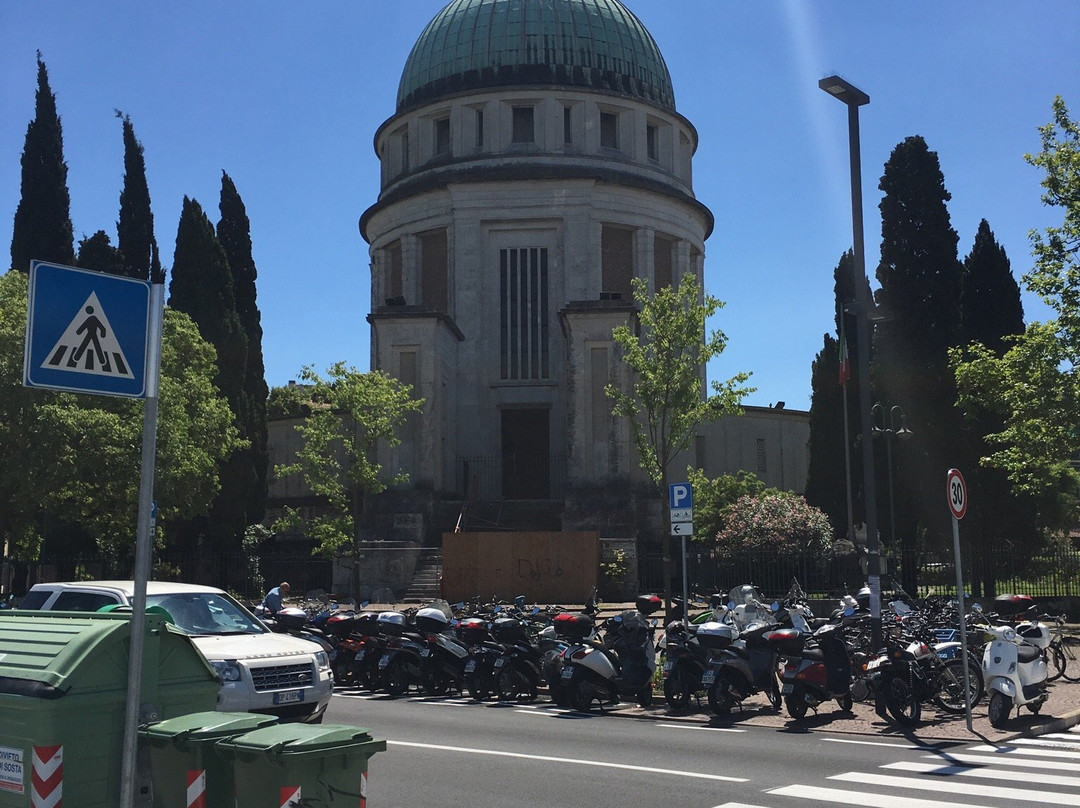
x=470 y=666
x=788 y=689
x=289 y=697
x=668 y=665
x=567 y=673
x=500 y=662
x=424 y=652
x=708 y=678
x=384 y=661
x=360 y=655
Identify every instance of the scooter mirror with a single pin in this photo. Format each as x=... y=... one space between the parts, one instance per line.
x=848 y=612
x=976 y=607
x=731 y=605
x=775 y=606
x=535 y=610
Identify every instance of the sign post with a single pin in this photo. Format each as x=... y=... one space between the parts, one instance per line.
x=89 y=332
x=956 y=492
x=681 y=503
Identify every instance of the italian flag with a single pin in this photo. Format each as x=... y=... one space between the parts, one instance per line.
x=845 y=360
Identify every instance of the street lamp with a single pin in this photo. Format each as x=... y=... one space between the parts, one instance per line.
x=853 y=98
x=890 y=430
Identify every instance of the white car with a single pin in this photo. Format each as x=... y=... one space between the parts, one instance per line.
x=261 y=671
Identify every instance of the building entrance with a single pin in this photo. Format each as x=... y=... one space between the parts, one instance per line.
x=526 y=458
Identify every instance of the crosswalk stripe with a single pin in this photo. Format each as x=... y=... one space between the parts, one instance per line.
x=736 y=805
x=971 y=789
x=1013 y=750
x=984 y=773
x=1053 y=742
x=867 y=800
x=884 y=743
x=998 y=760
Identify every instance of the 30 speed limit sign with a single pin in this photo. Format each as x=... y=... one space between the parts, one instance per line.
x=957 y=493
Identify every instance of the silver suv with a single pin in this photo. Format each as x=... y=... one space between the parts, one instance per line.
x=261 y=671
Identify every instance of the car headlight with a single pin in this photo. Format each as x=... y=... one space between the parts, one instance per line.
x=227 y=669
x=322 y=659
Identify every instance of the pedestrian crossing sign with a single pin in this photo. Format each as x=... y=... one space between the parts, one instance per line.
x=86 y=331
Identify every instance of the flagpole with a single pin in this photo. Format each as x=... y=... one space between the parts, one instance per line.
x=844 y=374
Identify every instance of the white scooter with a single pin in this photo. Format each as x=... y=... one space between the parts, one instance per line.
x=1014 y=669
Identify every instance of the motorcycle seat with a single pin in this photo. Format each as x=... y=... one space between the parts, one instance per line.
x=1026 y=653
x=813 y=654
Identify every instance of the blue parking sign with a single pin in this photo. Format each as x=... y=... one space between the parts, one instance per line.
x=86 y=332
x=680 y=495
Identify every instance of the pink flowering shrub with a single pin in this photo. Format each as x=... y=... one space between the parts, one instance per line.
x=776 y=521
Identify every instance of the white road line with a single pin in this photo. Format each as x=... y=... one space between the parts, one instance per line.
x=736 y=805
x=998 y=760
x=535 y=714
x=921 y=747
x=1007 y=749
x=945 y=770
x=867 y=800
x=700 y=728
x=548 y=759
x=1052 y=742
x=949 y=787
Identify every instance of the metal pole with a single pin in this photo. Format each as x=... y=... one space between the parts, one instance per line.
x=685 y=590
x=889 y=433
x=962 y=621
x=143 y=542
x=847 y=468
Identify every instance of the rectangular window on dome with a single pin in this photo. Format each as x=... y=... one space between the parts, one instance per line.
x=442 y=136
x=479 y=130
x=393 y=270
x=616 y=262
x=662 y=262
x=523 y=128
x=523 y=313
x=652 y=139
x=433 y=270
x=405 y=150
x=567 y=129
x=609 y=130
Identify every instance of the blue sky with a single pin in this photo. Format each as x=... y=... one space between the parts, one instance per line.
x=286 y=98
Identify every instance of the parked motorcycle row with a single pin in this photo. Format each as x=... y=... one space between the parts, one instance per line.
x=737 y=648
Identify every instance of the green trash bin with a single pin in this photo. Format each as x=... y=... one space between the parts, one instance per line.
x=63 y=697
x=184 y=761
x=301 y=764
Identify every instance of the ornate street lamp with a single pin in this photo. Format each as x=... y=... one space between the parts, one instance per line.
x=894 y=428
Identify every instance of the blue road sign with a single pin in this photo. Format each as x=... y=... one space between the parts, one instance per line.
x=86 y=332
x=680 y=495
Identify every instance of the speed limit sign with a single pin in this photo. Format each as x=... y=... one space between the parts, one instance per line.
x=957 y=493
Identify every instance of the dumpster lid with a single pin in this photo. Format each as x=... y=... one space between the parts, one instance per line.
x=205 y=726
x=286 y=739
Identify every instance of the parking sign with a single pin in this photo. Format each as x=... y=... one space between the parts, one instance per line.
x=680 y=496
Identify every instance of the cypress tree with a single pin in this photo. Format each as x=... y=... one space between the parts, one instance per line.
x=96 y=252
x=919 y=275
x=135 y=228
x=202 y=287
x=234 y=233
x=42 y=228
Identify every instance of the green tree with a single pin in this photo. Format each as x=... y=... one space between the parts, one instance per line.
x=96 y=252
x=351 y=414
x=664 y=399
x=78 y=456
x=1035 y=385
x=135 y=229
x=779 y=522
x=713 y=498
x=234 y=233
x=919 y=275
x=42 y=228
x=202 y=287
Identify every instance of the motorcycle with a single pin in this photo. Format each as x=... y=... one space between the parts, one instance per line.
x=516 y=670
x=1014 y=663
x=816 y=668
x=620 y=666
x=443 y=667
x=684 y=662
x=401 y=663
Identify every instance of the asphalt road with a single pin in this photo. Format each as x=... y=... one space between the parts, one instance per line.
x=451 y=752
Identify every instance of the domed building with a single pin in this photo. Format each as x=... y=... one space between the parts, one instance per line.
x=535 y=164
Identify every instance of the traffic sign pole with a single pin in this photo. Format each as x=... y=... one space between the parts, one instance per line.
x=956 y=493
x=681 y=514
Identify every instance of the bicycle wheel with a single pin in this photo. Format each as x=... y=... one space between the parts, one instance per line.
x=1070 y=649
x=1055 y=661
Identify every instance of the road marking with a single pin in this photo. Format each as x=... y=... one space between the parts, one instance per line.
x=736 y=805
x=1000 y=760
x=861 y=798
x=970 y=789
x=922 y=747
x=984 y=773
x=549 y=759
x=700 y=728
x=1012 y=750
x=1056 y=744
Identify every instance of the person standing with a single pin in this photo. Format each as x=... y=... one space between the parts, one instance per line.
x=274 y=601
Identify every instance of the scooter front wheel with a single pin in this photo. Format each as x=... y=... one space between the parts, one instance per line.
x=999 y=709
x=796 y=705
x=902 y=702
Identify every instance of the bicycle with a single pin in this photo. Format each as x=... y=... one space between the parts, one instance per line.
x=1063 y=653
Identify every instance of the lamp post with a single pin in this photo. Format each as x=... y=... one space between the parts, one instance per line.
x=853 y=98
x=890 y=430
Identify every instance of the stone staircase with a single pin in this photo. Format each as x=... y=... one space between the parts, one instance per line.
x=424 y=586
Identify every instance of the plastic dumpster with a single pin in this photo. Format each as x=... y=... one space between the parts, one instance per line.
x=301 y=764
x=184 y=761
x=63 y=692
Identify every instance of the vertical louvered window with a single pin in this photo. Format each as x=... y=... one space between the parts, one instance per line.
x=523 y=315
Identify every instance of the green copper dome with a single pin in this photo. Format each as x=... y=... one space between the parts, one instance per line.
x=477 y=44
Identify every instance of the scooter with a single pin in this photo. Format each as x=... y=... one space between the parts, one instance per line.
x=747 y=665
x=1014 y=668
x=813 y=675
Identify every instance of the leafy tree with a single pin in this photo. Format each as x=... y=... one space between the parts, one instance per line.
x=42 y=228
x=778 y=522
x=202 y=287
x=289 y=401
x=234 y=233
x=713 y=498
x=664 y=399
x=351 y=414
x=920 y=276
x=135 y=229
x=96 y=252
x=78 y=456
x=1035 y=386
